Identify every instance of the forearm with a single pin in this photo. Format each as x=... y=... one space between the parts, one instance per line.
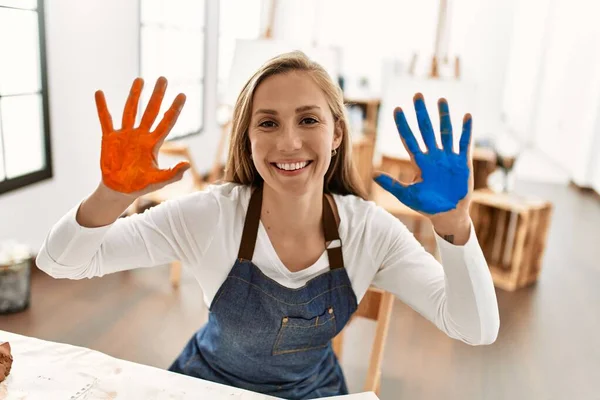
x=103 y=207
x=110 y=244
x=470 y=311
x=72 y=244
x=457 y=295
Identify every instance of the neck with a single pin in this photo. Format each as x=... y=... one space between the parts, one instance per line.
x=281 y=210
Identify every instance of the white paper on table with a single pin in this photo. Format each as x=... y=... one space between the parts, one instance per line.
x=44 y=370
x=55 y=384
x=359 y=396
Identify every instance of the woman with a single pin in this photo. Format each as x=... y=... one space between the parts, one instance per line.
x=287 y=247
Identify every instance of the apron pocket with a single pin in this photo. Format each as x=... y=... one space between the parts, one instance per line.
x=300 y=334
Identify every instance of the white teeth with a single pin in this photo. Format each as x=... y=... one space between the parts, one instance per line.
x=292 y=166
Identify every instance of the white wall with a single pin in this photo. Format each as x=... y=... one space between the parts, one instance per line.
x=552 y=96
x=481 y=36
x=529 y=39
x=480 y=33
x=594 y=154
x=91 y=45
x=570 y=89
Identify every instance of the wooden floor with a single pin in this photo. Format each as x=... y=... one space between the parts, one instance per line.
x=548 y=346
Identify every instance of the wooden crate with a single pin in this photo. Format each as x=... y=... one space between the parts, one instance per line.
x=484 y=163
x=512 y=232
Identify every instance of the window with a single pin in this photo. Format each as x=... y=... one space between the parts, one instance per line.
x=25 y=156
x=172 y=44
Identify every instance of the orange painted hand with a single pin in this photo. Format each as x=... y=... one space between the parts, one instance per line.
x=129 y=155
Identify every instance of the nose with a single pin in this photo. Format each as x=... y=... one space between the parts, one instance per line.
x=289 y=140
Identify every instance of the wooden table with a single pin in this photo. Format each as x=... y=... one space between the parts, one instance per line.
x=44 y=370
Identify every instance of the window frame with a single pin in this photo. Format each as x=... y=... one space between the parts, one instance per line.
x=12 y=184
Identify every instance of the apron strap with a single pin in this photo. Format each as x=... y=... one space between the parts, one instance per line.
x=250 y=231
x=330 y=229
x=252 y=221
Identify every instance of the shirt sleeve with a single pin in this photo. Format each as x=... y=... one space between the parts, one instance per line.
x=458 y=295
x=158 y=236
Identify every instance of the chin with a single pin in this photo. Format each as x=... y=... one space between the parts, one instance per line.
x=291 y=188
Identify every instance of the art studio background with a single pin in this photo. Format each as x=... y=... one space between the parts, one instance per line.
x=528 y=72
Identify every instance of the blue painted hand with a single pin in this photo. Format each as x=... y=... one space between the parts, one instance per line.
x=445 y=177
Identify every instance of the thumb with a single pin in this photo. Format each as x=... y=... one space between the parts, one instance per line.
x=400 y=191
x=173 y=174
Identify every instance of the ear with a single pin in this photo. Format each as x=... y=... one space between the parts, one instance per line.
x=338 y=134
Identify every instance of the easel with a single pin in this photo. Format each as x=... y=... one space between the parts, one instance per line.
x=440 y=56
x=217 y=171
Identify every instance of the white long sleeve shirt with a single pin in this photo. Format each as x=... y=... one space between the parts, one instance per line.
x=204 y=229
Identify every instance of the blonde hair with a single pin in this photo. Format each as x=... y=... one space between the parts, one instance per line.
x=341 y=176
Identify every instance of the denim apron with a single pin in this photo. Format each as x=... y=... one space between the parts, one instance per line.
x=267 y=338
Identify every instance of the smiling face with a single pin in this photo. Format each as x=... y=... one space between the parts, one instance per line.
x=292 y=132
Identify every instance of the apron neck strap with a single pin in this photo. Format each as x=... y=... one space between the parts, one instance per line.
x=330 y=229
x=251 y=225
x=252 y=221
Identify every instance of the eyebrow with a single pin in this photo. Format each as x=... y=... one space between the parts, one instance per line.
x=298 y=110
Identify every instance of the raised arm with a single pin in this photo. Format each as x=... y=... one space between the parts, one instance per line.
x=91 y=240
x=179 y=229
x=458 y=296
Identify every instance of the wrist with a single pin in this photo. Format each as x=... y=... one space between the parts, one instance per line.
x=450 y=224
x=454 y=229
x=109 y=195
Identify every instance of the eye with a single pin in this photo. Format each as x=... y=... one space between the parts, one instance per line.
x=267 y=124
x=309 y=121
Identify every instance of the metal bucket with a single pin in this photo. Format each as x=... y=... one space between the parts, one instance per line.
x=15 y=286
